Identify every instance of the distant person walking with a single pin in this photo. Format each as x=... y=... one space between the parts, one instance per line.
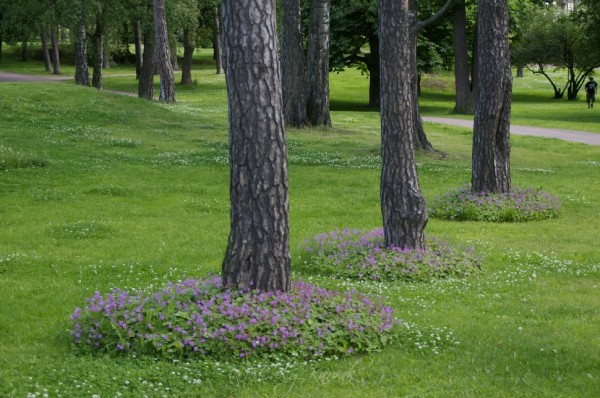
x=591 y=88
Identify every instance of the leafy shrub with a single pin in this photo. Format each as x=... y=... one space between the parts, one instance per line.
x=199 y=318
x=518 y=205
x=362 y=255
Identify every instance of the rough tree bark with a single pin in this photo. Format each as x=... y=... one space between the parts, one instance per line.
x=465 y=97
x=318 y=64
x=188 y=52
x=402 y=204
x=163 y=53
x=258 y=255
x=292 y=65
x=491 y=135
x=82 y=73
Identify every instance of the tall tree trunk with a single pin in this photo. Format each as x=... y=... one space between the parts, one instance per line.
x=292 y=65
x=98 y=60
x=188 y=51
x=55 y=50
x=146 y=80
x=318 y=64
x=258 y=253
x=163 y=53
x=402 y=204
x=82 y=74
x=465 y=99
x=45 y=51
x=137 y=38
x=491 y=136
x=217 y=42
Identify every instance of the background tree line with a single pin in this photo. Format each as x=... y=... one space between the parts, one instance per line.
x=329 y=34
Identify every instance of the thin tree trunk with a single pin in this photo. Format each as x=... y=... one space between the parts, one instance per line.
x=318 y=64
x=163 y=53
x=491 y=135
x=217 y=43
x=402 y=204
x=45 y=51
x=82 y=74
x=258 y=253
x=137 y=37
x=174 y=60
x=106 y=56
x=292 y=65
x=24 y=50
x=146 y=80
x=520 y=71
x=188 y=52
x=98 y=42
x=465 y=99
x=374 y=72
x=420 y=140
x=55 y=50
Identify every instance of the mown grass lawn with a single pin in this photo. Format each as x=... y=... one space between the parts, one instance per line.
x=99 y=190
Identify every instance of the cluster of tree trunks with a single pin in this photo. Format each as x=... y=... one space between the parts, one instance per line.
x=257 y=255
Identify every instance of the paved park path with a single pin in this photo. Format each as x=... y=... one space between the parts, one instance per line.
x=567 y=135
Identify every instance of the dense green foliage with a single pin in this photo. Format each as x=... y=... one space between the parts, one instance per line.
x=201 y=319
x=133 y=194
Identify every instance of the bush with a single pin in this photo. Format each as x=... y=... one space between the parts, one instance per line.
x=517 y=206
x=362 y=255
x=199 y=318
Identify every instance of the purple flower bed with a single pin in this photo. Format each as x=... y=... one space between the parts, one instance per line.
x=362 y=255
x=197 y=317
x=518 y=205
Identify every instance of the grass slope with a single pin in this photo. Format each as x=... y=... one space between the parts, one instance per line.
x=99 y=190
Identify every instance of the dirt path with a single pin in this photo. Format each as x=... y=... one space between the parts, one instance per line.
x=567 y=135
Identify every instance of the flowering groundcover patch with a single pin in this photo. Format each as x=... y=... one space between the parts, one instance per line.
x=358 y=254
x=198 y=317
x=518 y=205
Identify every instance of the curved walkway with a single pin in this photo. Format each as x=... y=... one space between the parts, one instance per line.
x=567 y=135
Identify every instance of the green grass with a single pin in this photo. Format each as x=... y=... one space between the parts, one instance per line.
x=99 y=190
